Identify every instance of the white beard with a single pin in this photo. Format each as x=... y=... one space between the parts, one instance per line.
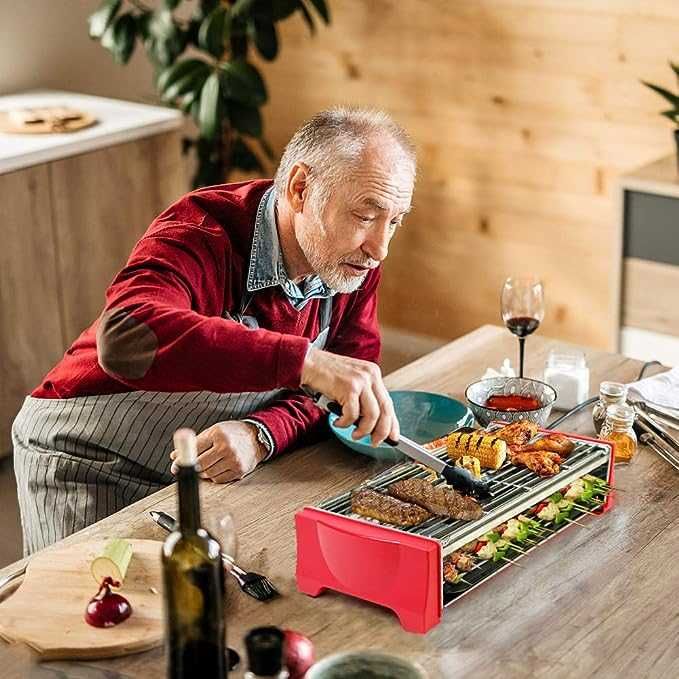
x=329 y=272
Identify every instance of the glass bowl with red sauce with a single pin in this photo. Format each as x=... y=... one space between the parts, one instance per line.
x=508 y=399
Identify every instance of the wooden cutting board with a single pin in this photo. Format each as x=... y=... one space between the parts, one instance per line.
x=47 y=610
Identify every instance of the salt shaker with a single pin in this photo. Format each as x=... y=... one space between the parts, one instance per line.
x=568 y=373
x=610 y=393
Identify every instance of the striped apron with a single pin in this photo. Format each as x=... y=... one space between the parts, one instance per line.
x=78 y=460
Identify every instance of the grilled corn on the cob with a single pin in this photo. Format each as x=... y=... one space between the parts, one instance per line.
x=490 y=451
x=471 y=464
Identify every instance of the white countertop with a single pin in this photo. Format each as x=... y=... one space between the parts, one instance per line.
x=119 y=122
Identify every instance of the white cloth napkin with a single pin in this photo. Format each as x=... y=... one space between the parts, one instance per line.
x=661 y=390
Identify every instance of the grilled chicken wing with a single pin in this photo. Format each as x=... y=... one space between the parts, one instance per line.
x=543 y=463
x=555 y=443
x=517 y=433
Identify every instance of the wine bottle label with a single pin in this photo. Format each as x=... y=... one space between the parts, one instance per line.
x=186 y=447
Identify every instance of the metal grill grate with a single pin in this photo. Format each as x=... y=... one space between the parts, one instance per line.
x=514 y=490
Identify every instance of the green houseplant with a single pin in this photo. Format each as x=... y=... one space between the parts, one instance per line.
x=671 y=113
x=202 y=67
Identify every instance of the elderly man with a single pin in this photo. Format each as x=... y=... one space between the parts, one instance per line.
x=235 y=298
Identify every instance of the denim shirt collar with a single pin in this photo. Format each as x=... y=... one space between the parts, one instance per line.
x=266 y=260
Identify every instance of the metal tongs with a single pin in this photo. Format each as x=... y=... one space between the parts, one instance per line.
x=459 y=478
x=654 y=434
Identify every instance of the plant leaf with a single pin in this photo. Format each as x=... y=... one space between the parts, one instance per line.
x=162 y=26
x=670 y=96
x=266 y=39
x=143 y=20
x=172 y=4
x=241 y=81
x=166 y=41
x=209 y=119
x=99 y=21
x=322 y=9
x=193 y=80
x=214 y=30
x=179 y=70
x=119 y=38
x=672 y=114
x=243 y=157
x=307 y=17
x=242 y=8
x=282 y=9
x=245 y=119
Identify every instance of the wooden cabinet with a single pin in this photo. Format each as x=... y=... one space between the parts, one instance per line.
x=650 y=214
x=68 y=225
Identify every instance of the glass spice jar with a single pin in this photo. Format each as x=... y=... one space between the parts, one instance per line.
x=618 y=428
x=610 y=393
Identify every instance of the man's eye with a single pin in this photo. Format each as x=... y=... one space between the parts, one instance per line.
x=365 y=220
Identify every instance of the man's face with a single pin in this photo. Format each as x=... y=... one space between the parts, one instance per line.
x=359 y=220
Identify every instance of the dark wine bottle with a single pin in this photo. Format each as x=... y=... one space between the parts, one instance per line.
x=194 y=581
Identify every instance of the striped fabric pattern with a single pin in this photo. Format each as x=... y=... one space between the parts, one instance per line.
x=81 y=459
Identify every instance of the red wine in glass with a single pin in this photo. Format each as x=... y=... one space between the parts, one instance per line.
x=523 y=308
x=522 y=326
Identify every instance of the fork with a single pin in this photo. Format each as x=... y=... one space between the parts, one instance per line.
x=255 y=585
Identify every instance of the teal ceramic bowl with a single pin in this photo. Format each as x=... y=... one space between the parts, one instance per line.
x=423 y=417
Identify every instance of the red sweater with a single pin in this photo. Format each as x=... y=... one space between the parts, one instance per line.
x=185 y=272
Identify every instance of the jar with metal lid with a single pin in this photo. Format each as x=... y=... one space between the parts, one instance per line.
x=618 y=428
x=610 y=393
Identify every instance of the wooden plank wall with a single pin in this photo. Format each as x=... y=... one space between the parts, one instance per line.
x=524 y=113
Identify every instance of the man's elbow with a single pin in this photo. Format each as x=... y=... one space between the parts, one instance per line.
x=126 y=347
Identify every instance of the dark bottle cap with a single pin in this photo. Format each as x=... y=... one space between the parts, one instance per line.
x=265 y=651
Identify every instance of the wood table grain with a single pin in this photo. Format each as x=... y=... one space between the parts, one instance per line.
x=597 y=601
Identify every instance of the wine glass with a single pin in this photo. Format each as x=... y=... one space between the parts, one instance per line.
x=523 y=308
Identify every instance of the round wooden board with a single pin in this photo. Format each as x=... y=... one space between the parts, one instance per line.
x=7 y=126
x=47 y=610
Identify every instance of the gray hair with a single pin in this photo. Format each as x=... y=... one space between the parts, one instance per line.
x=332 y=143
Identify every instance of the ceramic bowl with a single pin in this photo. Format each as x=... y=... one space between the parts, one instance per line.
x=478 y=393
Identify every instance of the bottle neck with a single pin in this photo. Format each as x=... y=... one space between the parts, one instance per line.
x=189 y=499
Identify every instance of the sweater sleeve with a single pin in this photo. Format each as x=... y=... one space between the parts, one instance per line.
x=160 y=332
x=294 y=419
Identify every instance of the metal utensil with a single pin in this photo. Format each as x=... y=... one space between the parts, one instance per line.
x=660 y=413
x=12 y=576
x=459 y=478
x=255 y=585
x=649 y=440
x=649 y=424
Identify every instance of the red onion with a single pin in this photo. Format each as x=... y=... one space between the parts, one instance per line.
x=298 y=654
x=106 y=608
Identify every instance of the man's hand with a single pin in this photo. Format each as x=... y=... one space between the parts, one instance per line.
x=358 y=387
x=227 y=451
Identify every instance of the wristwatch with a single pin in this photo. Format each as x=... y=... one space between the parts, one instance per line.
x=264 y=437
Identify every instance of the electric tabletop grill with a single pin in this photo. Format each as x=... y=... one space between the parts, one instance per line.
x=402 y=568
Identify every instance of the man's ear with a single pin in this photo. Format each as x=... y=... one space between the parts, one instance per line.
x=297 y=189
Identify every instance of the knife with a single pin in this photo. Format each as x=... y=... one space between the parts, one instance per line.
x=459 y=478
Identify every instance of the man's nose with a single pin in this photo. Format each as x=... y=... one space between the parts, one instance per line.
x=377 y=244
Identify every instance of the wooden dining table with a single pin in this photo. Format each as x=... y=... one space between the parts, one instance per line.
x=595 y=601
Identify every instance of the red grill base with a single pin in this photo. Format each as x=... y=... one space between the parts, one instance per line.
x=382 y=565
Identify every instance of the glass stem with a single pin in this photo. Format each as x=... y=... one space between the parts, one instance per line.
x=522 y=343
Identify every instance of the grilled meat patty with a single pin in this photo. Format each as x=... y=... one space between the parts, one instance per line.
x=375 y=505
x=441 y=500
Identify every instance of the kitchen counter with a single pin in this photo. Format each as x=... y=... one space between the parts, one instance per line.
x=596 y=601
x=118 y=122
